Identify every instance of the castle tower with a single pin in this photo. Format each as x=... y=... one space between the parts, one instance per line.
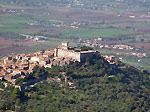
x=64 y=45
x=56 y=52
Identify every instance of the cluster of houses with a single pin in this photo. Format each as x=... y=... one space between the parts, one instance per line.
x=33 y=23
x=22 y=65
x=119 y=46
x=98 y=43
x=109 y=59
x=34 y=38
x=75 y=25
x=72 y=25
x=5 y=9
x=128 y=49
x=140 y=55
x=57 y=79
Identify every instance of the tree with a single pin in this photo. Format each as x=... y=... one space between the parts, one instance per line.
x=19 y=81
x=2 y=105
x=85 y=48
x=106 y=77
x=15 y=94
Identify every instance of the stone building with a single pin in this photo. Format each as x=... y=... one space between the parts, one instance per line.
x=65 y=51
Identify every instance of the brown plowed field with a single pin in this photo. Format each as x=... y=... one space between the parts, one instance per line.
x=10 y=42
x=9 y=50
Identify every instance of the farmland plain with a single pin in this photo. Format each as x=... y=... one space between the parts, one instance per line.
x=60 y=22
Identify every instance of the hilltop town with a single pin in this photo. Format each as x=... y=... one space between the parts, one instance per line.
x=68 y=79
x=22 y=65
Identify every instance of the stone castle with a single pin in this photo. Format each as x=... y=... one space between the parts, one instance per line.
x=65 y=51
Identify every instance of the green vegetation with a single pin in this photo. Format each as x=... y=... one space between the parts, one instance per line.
x=15 y=36
x=136 y=64
x=10 y=97
x=87 y=4
x=99 y=87
x=8 y=4
x=19 y=81
x=92 y=33
x=3 y=46
x=85 y=48
x=14 y=24
x=46 y=45
x=38 y=72
x=95 y=91
x=18 y=24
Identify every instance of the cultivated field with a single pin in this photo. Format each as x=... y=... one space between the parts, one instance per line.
x=114 y=25
x=92 y=23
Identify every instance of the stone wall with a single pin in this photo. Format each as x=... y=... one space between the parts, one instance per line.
x=63 y=51
x=84 y=55
x=79 y=56
x=32 y=82
x=67 y=53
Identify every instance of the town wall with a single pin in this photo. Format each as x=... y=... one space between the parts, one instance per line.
x=32 y=82
x=67 y=53
x=78 y=56
x=84 y=55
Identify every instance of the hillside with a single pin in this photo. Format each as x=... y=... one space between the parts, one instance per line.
x=95 y=4
x=96 y=86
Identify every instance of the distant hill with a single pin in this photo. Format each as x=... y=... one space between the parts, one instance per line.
x=88 y=87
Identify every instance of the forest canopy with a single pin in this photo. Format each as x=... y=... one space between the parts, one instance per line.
x=99 y=86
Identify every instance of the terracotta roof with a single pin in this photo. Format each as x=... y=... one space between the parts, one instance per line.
x=112 y=56
x=51 y=54
x=22 y=76
x=25 y=65
x=112 y=63
x=24 y=71
x=107 y=59
x=52 y=50
x=63 y=73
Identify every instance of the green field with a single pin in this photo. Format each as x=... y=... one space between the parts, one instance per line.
x=46 y=45
x=14 y=24
x=92 y=33
x=107 y=51
x=136 y=64
x=7 y=4
x=14 y=5
x=3 y=46
x=17 y=23
x=43 y=46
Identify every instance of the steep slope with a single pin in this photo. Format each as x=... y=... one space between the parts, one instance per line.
x=100 y=87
